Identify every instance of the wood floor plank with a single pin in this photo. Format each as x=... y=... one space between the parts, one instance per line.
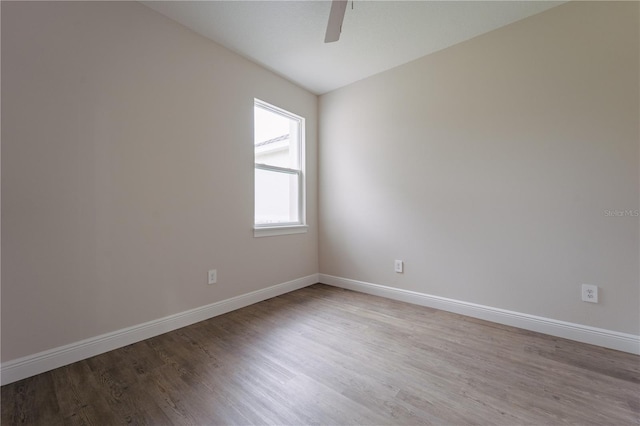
x=81 y=398
x=322 y=355
x=29 y=401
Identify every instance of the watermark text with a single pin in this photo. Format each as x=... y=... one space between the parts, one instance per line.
x=622 y=213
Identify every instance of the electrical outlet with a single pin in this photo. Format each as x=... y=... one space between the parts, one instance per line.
x=213 y=276
x=398 y=266
x=589 y=293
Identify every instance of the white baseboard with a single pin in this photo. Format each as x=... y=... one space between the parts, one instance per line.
x=581 y=333
x=31 y=365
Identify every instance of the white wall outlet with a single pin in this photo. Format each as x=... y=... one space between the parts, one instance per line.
x=213 y=276
x=589 y=293
x=398 y=266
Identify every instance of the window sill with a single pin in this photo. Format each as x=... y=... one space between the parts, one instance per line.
x=279 y=230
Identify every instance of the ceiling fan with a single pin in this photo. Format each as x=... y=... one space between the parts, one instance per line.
x=336 y=16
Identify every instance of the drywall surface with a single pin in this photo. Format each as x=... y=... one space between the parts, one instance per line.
x=127 y=172
x=503 y=170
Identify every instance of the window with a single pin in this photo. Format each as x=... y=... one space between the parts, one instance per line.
x=279 y=171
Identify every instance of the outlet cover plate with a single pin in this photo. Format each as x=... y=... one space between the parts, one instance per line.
x=213 y=276
x=589 y=293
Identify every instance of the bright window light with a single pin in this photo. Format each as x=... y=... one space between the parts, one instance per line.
x=279 y=175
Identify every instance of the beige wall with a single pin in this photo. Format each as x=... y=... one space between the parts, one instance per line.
x=487 y=167
x=127 y=167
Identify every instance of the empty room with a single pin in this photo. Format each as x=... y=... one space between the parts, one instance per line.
x=320 y=212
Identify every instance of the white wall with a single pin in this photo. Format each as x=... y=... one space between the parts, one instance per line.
x=127 y=172
x=488 y=167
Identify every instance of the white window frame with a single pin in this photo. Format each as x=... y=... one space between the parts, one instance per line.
x=299 y=226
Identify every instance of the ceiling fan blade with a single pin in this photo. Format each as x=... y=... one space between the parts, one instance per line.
x=336 y=16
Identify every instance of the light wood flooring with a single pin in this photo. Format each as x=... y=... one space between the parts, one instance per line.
x=327 y=356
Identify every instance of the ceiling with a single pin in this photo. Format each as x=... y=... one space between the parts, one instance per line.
x=287 y=37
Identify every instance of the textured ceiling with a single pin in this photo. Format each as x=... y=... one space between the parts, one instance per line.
x=287 y=37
